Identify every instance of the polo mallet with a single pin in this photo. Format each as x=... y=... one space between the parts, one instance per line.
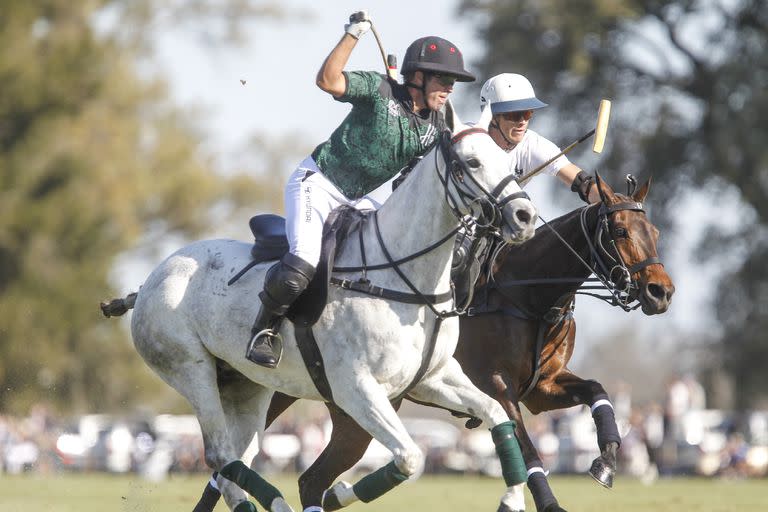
x=601 y=129
x=390 y=61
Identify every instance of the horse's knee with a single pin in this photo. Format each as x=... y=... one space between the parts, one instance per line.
x=496 y=414
x=409 y=461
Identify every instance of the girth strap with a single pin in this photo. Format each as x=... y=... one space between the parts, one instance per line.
x=425 y=360
x=313 y=360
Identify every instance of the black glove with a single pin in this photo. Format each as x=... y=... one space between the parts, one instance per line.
x=582 y=184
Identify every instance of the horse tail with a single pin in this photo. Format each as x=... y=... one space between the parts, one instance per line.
x=119 y=307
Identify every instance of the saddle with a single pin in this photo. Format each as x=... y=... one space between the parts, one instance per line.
x=271 y=244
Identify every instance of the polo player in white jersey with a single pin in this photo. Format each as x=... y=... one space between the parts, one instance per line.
x=508 y=101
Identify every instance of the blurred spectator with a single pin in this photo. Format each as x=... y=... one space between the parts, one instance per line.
x=733 y=459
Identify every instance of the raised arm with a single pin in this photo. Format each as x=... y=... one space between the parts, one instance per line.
x=330 y=78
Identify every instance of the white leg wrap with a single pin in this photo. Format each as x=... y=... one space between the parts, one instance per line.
x=514 y=498
x=601 y=403
x=537 y=469
x=344 y=493
x=313 y=508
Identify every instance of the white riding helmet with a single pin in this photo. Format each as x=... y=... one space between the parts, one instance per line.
x=509 y=92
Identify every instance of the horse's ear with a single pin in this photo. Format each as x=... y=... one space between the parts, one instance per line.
x=451 y=117
x=640 y=194
x=485 y=118
x=606 y=192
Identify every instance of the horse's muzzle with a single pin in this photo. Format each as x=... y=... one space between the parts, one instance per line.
x=656 y=297
x=519 y=223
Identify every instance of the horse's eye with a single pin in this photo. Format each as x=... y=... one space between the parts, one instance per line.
x=473 y=162
x=620 y=232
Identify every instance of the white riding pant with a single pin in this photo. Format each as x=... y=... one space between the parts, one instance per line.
x=309 y=198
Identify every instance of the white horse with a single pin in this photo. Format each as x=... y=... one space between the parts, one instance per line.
x=187 y=321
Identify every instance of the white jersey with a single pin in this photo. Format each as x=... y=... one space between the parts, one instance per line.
x=533 y=151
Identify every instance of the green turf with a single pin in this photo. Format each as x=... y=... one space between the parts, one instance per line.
x=91 y=493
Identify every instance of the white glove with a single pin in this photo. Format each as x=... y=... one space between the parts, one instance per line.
x=359 y=24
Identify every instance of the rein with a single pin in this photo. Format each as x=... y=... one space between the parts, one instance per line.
x=456 y=170
x=604 y=271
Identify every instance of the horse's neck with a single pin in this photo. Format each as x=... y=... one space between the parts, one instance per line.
x=414 y=217
x=546 y=257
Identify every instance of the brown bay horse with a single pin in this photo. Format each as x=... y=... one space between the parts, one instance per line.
x=515 y=345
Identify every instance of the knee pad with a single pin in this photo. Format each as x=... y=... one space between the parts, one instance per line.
x=284 y=282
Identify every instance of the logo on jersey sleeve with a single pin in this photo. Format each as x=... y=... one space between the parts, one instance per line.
x=429 y=135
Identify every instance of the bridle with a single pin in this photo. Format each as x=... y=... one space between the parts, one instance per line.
x=458 y=196
x=606 y=260
x=457 y=171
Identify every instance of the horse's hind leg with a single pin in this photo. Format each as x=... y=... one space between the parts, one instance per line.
x=367 y=403
x=451 y=388
x=184 y=363
x=192 y=372
x=277 y=405
x=245 y=406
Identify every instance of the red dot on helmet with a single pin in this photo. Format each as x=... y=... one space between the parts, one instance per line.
x=433 y=47
x=452 y=49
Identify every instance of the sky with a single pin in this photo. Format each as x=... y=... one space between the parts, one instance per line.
x=279 y=97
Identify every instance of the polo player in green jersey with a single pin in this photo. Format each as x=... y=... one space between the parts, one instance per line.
x=389 y=124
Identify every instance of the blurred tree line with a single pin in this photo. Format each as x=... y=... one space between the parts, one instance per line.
x=688 y=81
x=94 y=160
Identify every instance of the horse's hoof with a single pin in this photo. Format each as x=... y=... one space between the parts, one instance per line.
x=554 y=507
x=602 y=473
x=338 y=497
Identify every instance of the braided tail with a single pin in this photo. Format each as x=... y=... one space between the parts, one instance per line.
x=119 y=307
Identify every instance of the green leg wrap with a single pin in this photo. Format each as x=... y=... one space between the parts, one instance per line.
x=379 y=482
x=245 y=506
x=508 y=449
x=251 y=482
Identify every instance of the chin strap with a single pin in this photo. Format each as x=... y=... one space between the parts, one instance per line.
x=422 y=87
x=495 y=124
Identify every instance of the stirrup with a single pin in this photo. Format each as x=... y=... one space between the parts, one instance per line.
x=272 y=341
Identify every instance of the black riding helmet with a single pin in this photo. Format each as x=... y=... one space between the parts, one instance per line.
x=434 y=54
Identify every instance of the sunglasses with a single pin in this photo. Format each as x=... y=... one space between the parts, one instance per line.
x=445 y=80
x=516 y=117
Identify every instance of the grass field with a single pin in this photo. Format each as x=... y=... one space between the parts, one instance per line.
x=105 y=493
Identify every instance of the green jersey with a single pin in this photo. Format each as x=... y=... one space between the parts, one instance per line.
x=378 y=137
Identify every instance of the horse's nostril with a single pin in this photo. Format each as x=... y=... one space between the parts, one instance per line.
x=523 y=216
x=656 y=291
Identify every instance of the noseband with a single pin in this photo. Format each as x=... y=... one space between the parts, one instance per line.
x=491 y=203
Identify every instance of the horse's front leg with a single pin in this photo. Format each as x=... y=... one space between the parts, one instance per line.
x=566 y=390
x=501 y=388
x=450 y=388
